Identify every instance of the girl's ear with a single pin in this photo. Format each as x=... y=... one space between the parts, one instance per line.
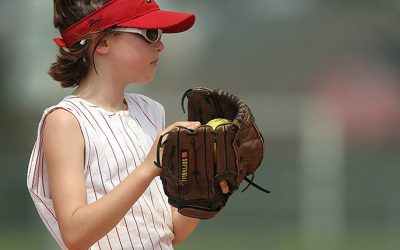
x=103 y=47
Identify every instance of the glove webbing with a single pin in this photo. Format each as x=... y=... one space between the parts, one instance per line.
x=236 y=101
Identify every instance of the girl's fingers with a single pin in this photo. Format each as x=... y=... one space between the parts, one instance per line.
x=187 y=124
x=224 y=187
x=194 y=125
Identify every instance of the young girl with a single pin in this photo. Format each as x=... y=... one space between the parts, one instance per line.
x=91 y=174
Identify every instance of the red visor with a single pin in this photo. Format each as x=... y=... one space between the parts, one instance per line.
x=144 y=14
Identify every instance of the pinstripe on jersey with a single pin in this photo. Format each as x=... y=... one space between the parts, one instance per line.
x=115 y=144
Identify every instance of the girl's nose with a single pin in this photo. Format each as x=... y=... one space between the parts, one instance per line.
x=159 y=46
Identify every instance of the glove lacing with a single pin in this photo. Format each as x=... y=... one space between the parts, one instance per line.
x=250 y=182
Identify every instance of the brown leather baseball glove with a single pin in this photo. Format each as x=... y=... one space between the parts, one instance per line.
x=195 y=162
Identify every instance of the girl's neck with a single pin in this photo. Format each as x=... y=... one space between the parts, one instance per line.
x=102 y=92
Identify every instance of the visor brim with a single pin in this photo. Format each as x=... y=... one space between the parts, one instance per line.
x=167 y=21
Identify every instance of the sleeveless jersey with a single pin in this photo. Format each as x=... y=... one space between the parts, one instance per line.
x=115 y=144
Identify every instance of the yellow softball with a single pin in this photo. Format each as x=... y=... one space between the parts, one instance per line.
x=214 y=123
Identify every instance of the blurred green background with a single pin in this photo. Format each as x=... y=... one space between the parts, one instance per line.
x=322 y=79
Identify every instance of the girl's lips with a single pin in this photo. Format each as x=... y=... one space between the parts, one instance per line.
x=154 y=62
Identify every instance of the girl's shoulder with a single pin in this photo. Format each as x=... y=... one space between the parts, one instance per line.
x=69 y=109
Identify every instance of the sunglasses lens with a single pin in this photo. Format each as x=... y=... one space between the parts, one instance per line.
x=152 y=35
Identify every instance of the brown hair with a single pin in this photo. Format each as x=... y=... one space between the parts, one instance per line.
x=72 y=64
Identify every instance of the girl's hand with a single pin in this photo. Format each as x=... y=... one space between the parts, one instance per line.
x=151 y=157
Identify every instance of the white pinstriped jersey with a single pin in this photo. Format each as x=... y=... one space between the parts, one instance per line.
x=115 y=144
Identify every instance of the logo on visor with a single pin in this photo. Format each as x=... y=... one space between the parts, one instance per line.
x=95 y=22
x=147 y=1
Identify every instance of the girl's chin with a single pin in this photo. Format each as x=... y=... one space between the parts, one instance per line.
x=149 y=79
x=144 y=80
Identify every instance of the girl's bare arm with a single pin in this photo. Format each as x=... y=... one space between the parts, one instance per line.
x=82 y=224
x=183 y=226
